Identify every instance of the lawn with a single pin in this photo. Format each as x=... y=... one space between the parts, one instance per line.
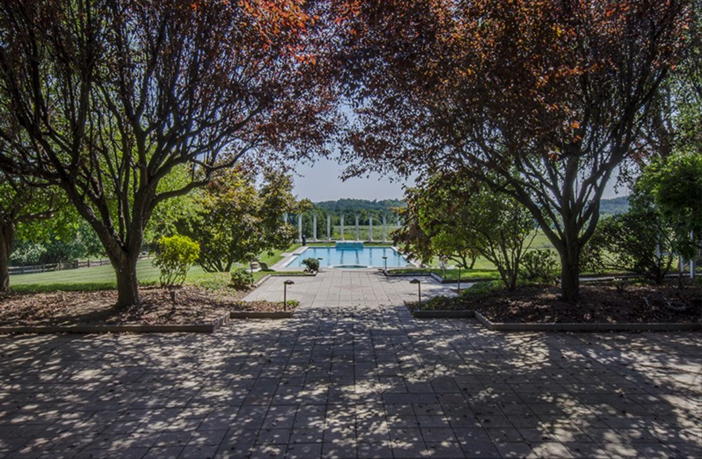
x=103 y=277
x=452 y=274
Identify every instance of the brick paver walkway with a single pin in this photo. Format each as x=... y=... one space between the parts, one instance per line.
x=353 y=377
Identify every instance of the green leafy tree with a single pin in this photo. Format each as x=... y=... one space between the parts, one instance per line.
x=411 y=238
x=451 y=216
x=675 y=183
x=504 y=232
x=637 y=241
x=438 y=221
x=236 y=222
x=21 y=203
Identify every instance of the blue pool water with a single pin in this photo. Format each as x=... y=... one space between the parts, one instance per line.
x=366 y=256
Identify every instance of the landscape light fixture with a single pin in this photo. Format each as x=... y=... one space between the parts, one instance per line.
x=385 y=263
x=285 y=293
x=419 y=289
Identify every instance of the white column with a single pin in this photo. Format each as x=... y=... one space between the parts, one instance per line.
x=370 y=229
x=328 y=227
x=299 y=227
x=385 y=231
x=342 y=228
x=356 y=227
x=314 y=227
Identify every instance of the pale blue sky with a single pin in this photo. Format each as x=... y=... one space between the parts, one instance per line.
x=320 y=182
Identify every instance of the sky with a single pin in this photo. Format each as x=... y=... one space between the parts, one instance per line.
x=320 y=182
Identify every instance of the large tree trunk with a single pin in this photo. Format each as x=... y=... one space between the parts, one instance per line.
x=569 y=251
x=127 y=283
x=7 y=237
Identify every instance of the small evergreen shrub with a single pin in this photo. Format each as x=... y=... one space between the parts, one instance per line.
x=311 y=265
x=175 y=256
x=241 y=279
x=539 y=266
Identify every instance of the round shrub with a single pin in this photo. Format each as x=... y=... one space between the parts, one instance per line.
x=175 y=256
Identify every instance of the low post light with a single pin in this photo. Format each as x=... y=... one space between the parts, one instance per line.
x=419 y=289
x=385 y=264
x=285 y=293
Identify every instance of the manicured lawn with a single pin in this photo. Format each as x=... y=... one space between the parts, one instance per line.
x=103 y=277
x=452 y=274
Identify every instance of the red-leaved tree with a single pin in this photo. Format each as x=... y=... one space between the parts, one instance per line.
x=542 y=100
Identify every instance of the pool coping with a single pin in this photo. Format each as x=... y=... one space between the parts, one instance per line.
x=282 y=265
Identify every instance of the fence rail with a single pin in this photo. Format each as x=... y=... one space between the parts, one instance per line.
x=49 y=267
x=43 y=268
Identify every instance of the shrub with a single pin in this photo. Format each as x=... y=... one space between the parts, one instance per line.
x=637 y=241
x=311 y=265
x=241 y=279
x=539 y=266
x=174 y=258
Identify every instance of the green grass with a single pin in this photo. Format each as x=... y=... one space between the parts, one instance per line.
x=103 y=277
x=452 y=274
x=270 y=260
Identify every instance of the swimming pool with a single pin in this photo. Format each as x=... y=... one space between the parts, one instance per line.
x=371 y=257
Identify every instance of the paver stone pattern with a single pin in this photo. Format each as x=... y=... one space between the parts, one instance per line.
x=351 y=375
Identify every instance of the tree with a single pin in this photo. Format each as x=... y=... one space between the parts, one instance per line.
x=413 y=240
x=504 y=232
x=236 y=222
x=637 y=241
x=437 y=221
x=675 y=185
x=547 y=97
x=21 y=202
x=453 y=217
x=105 y=99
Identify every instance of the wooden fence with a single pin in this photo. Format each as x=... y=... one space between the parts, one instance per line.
x=49 y=267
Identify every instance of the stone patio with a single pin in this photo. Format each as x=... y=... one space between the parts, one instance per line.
x=351 y=375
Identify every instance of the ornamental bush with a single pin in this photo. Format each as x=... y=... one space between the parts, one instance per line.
x=311 y=265
x=539 y=266
x=175 y=256
x=241 y=279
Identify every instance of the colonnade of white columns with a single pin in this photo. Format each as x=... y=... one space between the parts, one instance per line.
x=329 y=228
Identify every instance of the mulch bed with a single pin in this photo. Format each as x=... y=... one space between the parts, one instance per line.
x=600 y=303
x=193 y=306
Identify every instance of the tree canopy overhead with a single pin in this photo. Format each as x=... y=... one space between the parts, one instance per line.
x=542 y=100
x=106 y=98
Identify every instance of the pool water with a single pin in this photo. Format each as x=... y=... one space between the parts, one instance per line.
x=352 y=257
